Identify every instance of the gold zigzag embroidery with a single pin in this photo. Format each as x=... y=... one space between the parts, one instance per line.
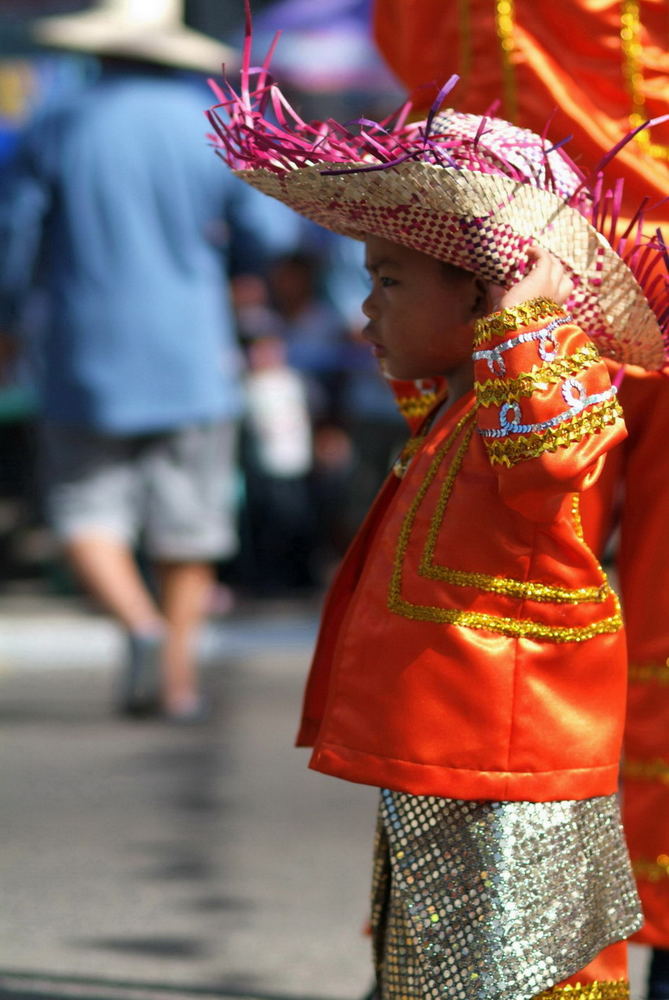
x=416 y=406
x=603 y=989
x=501 y=324
x=495 y=392
x=511 y=450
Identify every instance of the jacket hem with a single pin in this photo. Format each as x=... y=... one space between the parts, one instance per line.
x=308 y=733
x=459 y=783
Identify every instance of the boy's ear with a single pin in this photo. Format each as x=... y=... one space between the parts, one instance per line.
x=481 y=298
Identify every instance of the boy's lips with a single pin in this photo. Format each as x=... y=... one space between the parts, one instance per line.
x=378 y=350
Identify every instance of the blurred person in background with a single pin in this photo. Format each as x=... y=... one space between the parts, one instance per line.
x=315 y=336
x=367 y=410
x=117 y=195
x=278 y=464
x=313 y=330
x=295 y=451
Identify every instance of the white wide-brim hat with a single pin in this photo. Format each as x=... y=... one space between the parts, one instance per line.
x=145 y=30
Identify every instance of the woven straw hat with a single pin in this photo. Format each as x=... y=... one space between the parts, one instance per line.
x=472 y=191
x=148 y=30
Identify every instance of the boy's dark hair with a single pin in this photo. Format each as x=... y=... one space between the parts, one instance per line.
x=452 y=270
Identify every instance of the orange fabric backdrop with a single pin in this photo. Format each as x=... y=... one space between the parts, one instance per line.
x=602 y=63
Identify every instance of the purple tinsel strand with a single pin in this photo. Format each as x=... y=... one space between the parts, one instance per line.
x=659 y=236
x=438 y=101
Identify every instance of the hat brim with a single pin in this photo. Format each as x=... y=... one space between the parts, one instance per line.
x=100 y=34
x=483 y=223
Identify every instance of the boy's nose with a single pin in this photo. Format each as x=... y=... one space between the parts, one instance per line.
x=368 y=306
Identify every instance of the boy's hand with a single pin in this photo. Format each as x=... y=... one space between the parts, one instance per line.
x=544 y=277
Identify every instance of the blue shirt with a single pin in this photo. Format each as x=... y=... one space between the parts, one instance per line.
x=132 y=216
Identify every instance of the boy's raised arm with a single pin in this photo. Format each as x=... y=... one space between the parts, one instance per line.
x=547 y=410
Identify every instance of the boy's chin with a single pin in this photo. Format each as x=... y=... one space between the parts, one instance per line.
x=404 y=375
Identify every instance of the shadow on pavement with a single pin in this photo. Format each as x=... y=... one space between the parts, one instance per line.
x=37 y=986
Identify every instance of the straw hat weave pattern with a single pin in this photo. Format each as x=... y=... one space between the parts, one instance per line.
x=473 y=191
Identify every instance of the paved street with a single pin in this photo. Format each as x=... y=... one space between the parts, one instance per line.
x=142 y=861
x=199 y=858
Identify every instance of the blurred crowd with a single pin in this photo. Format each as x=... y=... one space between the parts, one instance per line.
x=187 y=410
x=318 y=426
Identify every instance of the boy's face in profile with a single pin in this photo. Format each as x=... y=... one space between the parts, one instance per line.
x=420 y=312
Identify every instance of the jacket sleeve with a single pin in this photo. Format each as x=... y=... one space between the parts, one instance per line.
x=547 y=411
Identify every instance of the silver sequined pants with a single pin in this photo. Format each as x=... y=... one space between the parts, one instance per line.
x=495 y=900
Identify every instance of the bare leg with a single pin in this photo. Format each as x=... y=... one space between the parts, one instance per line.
x=107 y=568
x=185 y=589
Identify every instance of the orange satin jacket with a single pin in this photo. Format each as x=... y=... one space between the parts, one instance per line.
x=471 y=646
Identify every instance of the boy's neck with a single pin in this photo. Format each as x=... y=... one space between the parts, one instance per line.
x=460 y=381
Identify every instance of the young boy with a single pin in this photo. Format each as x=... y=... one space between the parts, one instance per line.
x=471 y=660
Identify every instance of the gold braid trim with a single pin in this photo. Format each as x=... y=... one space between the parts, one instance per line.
x=527 y=591
x=521 y=447
x=632 y=48
x=504 y=23
x=576 y=516
x=465 y=39
x=470 y=619
x=603 y=989
x=648 y=673
x=403 y=460
x=501 y=324
x=515 y=628
x=651 y=871
x=524 y=589
x=416 y=406
x=648 y=770
x=498 y=391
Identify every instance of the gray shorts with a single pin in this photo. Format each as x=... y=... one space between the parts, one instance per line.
x=172 y=493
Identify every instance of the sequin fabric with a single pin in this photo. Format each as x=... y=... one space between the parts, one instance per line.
x=495 y=900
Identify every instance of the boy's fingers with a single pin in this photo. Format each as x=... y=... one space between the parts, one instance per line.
x=542 y=266
x=566 y=287
x=538 y=254
x=542 y=274
x=548 y=268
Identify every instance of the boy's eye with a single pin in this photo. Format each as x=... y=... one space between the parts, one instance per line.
x=386 y=282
